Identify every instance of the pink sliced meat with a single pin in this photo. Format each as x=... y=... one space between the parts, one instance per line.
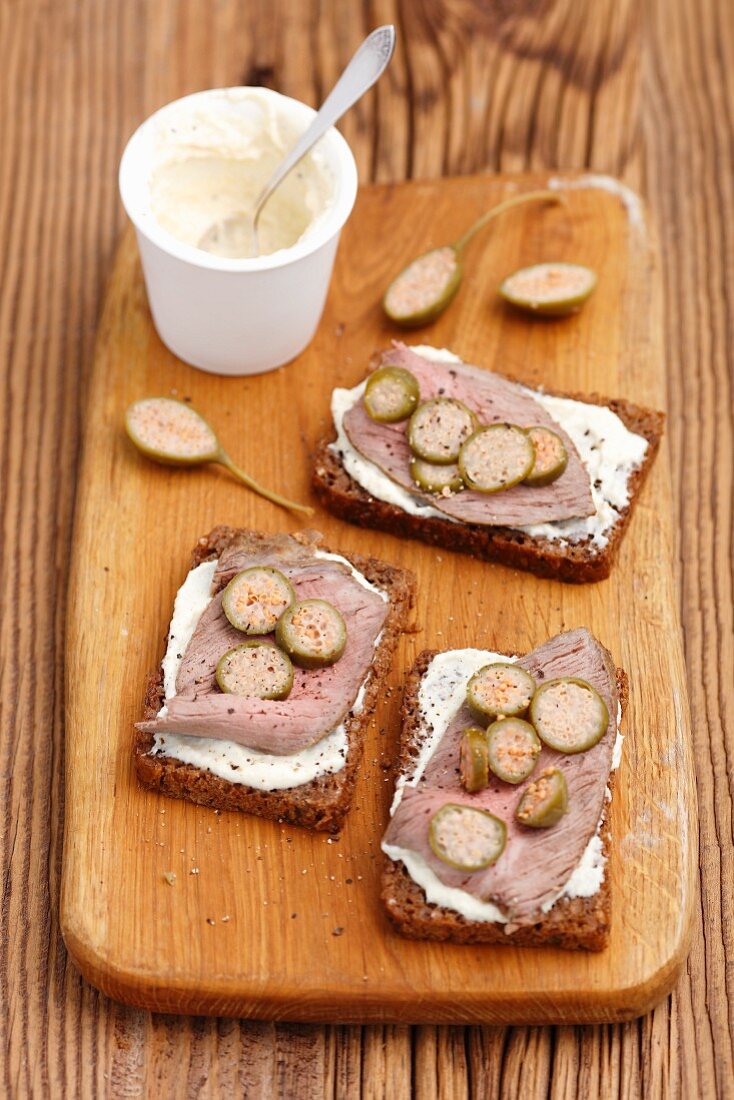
x=536 y=863
x=320 y=699
x=495 y=400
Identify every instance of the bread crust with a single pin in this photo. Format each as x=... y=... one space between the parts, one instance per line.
x=579 y=562
x=572 y=923
x=323 y=802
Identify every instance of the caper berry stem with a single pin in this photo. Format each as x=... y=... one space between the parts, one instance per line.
x=508 y=204
x=224 y=460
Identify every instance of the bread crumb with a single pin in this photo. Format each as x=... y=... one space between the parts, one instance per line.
x=170 y=877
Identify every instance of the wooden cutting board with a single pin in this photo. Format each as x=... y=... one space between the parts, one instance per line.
x=271 y=921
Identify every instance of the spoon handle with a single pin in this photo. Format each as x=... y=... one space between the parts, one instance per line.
x=367 y=65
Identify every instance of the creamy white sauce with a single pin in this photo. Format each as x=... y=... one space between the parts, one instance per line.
x=212 y=156
x=226 y=759
x=610 y=452
x=441 y=694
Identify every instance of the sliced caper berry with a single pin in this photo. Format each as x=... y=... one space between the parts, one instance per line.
x=437 y=429
x=257 y=670
x=496 y=458
x=435 y=479
x=551 y=457
x=513 y=749
x=569 y=715
x=500 y=689
x=465 y=837
x=254 y=599
x=312 y=633
x=473 y=759
x=550 y=289
x=544 y=801
x=391 y=394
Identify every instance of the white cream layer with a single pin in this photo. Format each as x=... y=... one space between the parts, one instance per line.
x=211 y=157
x=609 y=450
x=442 y=692
x=226 y=759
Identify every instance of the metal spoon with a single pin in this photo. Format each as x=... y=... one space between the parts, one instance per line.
x=235 y=236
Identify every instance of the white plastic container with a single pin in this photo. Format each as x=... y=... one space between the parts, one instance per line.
x=235 y=316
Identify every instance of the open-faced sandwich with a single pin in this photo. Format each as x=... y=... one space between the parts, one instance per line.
x=433 y=448
x=499 y=828
x=275 y=656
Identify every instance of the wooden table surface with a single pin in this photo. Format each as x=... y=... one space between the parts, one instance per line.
x=639 y=88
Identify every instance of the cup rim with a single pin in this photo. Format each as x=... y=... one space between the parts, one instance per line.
x=324 y=231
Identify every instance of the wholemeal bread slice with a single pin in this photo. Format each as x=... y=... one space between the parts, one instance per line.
x=323 y=802
x=567 y=561
x=571 y=923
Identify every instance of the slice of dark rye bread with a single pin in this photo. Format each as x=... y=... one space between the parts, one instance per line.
x=572 y=923
x=321 y=803
x=577 y=562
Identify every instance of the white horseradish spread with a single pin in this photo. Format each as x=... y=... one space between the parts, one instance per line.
x=609 y=451
x=211 y=157
x=442 y=692
x=226 y=759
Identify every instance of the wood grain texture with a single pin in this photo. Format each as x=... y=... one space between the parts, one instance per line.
x=285 y=891
x=516 y=85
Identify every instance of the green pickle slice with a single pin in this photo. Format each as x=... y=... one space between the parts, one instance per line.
x=437 y=429
x=513 y=749
x=254 y=600
x=465 y=837
x=569 y=715
x=549 y=289
x=473 y=759
x=496 y=458
x=551 y=457
x=313 y=633
x=171 y=432
x=424 y=288
x=391 y=394
x=501 y=689
x=258 y=670
x=436 y=479
x=544 y=801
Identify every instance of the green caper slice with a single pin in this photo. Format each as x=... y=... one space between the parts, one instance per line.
x=513 y=749
x=569 y=715
x=313 y=633
x=551 y=289
x=496 y=458
x=465 y=837
x=501 y=689
x=254 y=599
x=391 y=394
x=174 y=434
x=437 y=429
x=551 y=457
x=171 y=432
x=544 y=801
x=424 y=288
x=256 y=669
x=435 y=479
x=473 y=759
